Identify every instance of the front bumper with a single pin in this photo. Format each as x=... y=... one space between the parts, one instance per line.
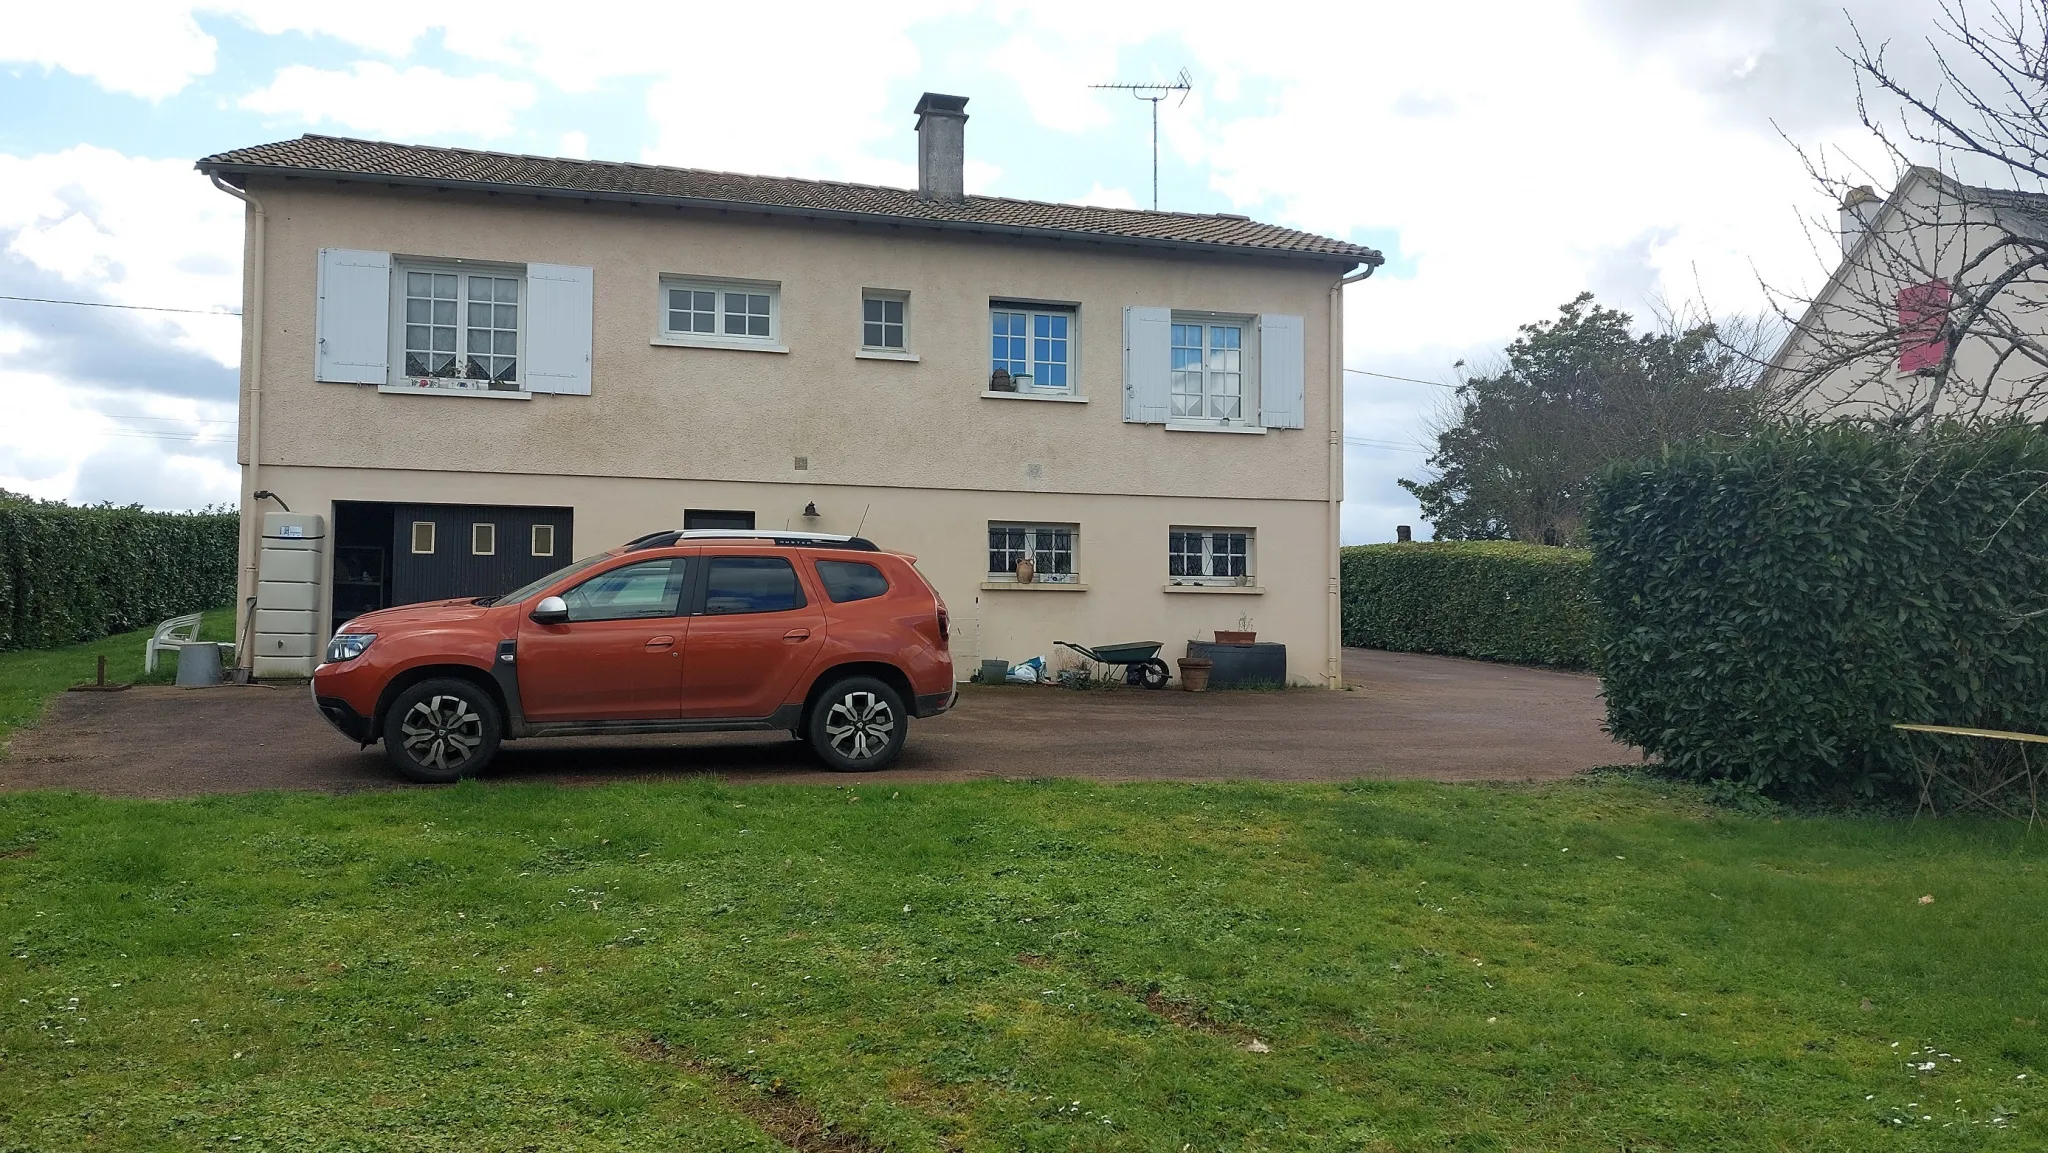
x=342 y=715
x=932 y=704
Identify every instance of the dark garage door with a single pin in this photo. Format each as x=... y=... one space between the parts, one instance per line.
x=452 y=550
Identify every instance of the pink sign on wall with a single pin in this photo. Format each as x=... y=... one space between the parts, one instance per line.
x=1923 y=326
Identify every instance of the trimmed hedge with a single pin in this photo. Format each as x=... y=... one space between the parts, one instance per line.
x=1774 y=606
x=70 y=574
x=1494 y=600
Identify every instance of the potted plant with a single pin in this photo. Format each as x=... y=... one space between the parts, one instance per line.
x=1194 y=673
x=1241 y=635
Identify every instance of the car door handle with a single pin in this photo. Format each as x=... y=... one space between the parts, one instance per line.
x=661 y=642
x=797 y=635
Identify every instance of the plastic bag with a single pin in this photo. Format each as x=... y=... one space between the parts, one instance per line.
x=1029 y=673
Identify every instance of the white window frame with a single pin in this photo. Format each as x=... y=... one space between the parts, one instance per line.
x=1209 y=554
x=416 y=549
x=883 y=351
x=462 y=270
x=1248 y=361
x=1033 y=547
x=719 y=338
x=1031 y=310
x=483 y=526
x=535 y=538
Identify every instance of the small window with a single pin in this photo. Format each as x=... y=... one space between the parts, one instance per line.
x=422 y=537
x=483 y=540
x=631 y=592
x=847 y=580
x=883 y=320
x=1209 y=556
x=1049 y=548
x=543 y=540
x=720 y=312
x=718 y=518
x=751 y=584
x=1034 y=344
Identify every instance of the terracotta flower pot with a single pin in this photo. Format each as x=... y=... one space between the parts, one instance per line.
x=1027 y=572
x=1194 y=673
x=1235 y=637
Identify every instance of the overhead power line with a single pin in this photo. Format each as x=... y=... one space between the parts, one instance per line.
x=131 y=307
x=1409 y=379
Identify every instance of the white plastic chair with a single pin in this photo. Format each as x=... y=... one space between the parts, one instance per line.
x=172 y=635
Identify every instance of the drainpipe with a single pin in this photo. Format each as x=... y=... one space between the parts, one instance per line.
x=1334 y=626
x=252 y=325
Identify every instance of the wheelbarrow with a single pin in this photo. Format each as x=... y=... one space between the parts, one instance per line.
x=1139 y=660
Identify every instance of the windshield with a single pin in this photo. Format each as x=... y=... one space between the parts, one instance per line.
x=527 y=590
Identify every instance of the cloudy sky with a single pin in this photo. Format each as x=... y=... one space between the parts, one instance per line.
x=1505 y=155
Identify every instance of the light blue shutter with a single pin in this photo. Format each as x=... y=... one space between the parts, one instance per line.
x=558 y=304
x=1148 y=363
x=1282 y=399
x=352 y=322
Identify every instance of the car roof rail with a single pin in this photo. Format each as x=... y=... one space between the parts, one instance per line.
x=786 y=538
x=652 y=540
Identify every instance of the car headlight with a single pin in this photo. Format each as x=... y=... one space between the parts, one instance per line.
x=348 y=646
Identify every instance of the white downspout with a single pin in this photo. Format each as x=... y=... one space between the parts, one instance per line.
x=1333 y=638
x=252 y=326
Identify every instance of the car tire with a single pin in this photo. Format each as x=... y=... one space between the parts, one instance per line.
x=858 y=725
x=442 y=730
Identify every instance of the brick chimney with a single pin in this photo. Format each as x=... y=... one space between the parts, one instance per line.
x=941 y=146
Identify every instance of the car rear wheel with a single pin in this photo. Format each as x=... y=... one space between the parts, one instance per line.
x=442 y=730
x=858 y=725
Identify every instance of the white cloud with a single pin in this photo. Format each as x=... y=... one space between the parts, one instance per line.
x=1108 y=197
x=140 y=47
x=376 y=98
x=575 y=144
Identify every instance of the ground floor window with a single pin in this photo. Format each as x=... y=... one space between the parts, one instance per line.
x=1209 y=555
x=1049 y=548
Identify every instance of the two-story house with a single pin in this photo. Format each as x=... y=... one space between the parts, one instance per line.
x=474 y=367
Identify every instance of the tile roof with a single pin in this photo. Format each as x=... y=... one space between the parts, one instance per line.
x=337 y=156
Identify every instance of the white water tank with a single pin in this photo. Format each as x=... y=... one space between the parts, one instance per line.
x=288 y=569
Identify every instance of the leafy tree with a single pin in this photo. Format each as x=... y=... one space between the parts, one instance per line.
x=1517 y=451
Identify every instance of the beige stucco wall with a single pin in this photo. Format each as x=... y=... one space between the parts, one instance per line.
x=1120 y=556
x=666 y=428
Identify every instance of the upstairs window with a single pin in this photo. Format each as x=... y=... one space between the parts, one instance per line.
x=1208 y=370
x=460 y=327
x=1049 y=548
x=1034 y=344
x=1203 y=556
x=720 y=313
x=884 y=318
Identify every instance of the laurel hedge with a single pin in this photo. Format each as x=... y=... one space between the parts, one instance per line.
x=1494 y=600
x=70 y=573
x=1773 y=607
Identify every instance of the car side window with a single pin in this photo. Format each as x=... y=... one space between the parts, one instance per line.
x=751 y=584
x=651 y=588
x=847 y=580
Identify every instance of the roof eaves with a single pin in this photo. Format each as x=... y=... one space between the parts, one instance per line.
x=1363 y=255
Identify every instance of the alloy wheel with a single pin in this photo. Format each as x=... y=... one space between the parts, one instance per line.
x=442 y=732
x=860 y=725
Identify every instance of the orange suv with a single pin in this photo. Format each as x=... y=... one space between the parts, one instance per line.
x=675 y=632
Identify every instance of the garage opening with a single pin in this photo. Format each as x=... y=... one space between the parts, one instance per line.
x=395 y=554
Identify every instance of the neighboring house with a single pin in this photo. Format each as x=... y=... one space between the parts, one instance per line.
x=1939 y=307
x=478 y=366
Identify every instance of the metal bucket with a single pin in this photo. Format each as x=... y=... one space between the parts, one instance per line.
x=198 y=665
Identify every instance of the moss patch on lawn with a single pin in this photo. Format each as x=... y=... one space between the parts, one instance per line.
x=1006 y=966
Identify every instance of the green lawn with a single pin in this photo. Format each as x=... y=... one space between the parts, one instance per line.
x=29 y=679
x=1003 y=966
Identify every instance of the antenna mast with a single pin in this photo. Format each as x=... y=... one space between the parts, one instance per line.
x=1154 y=93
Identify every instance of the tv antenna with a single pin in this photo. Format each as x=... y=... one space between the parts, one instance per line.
x=1182 y=84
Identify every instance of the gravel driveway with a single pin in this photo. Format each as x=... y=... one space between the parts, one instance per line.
x=1405 y=716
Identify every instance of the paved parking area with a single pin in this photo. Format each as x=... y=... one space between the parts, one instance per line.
x=1405 y=716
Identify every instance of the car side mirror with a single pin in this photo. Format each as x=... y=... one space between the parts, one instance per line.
x=551 y=611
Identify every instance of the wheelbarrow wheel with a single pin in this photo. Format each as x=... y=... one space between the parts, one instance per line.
x=1152 y=674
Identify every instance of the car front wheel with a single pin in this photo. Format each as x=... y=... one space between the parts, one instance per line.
x=858 y=725
x=442 y=730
